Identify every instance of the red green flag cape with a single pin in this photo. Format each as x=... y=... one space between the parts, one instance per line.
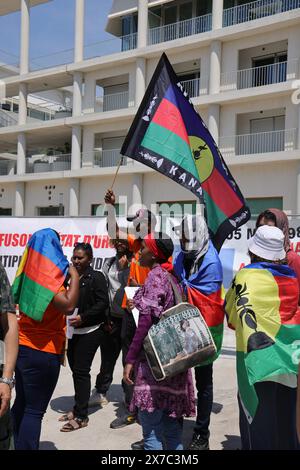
x=204 y=290
x=41 y=273
x=262 y=307
x=169 y=136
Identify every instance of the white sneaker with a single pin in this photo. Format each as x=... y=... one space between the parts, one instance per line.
x=97 y=399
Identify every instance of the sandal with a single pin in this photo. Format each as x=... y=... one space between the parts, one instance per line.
x=67 y=416
x=74 y=424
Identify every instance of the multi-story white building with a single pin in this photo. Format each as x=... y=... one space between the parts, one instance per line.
x=63 y=118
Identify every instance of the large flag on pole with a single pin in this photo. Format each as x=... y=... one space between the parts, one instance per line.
x=169 y=136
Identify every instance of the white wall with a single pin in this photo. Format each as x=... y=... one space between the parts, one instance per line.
x=7 y=196
x=269 y=180
x=37 y=196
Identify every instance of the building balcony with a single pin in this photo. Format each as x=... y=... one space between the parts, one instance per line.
x=180 y=29
x=258 y=143
x=45 y=163
x=97 y=49
x=196 y=87
x=114 y=101
x=259 y=9
x=8 y=167
x=108 y=158
x=260 y=76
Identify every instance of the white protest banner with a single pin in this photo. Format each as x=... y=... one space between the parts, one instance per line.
x=16 y=232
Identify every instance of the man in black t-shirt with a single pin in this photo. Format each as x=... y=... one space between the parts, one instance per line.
x=9 y=343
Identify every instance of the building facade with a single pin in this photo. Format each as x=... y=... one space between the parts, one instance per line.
x=63 y=118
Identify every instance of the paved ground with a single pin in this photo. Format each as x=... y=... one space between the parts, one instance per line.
x=99 y=436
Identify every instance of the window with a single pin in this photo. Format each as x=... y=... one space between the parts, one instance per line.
x=260 y=204
x=98 y=210
x=5 y=211
x=51 y=211
x=269 y=69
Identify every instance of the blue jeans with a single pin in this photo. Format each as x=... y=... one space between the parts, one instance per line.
x=158 y=427
x=36 y=377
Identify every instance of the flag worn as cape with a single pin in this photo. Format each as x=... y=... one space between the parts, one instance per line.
x=204 y=290
x=262 y=307
x=168 y=135
x=41 y=273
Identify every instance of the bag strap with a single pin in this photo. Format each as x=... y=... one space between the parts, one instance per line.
x=177 y=294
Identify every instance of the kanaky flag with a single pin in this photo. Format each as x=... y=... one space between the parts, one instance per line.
x=41 y=274
x=169 y=136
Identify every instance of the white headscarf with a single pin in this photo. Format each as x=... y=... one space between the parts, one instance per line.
x=195 y=230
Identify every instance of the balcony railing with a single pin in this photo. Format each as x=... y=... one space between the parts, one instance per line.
x=108 y=158
x=97 y=49
x=263 y=142
x=7 y=120
x=196 y=87
x=260 y=76
x=259 y=9
x=46 y=163
x=8 y=167
x=115 y=101
x=181 y=29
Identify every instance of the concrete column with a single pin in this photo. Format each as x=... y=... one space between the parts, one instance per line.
x=89 y=99
x=74 y=197
x=142 y=23
x=25 y=35
x=20 y=200
x=21 y=161
x=140 y=80
x=215 y=67
x=217 y=14
x=77 y=94
x=76 y=148
x=214 y=121
x=88 y=141
x=79 y=31
x=137 y=192
x=22 y=104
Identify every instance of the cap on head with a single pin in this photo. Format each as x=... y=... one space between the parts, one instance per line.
x=268 y=243
x=142 y=215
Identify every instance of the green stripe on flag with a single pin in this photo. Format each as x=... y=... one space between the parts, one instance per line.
x=215 y=216
x=169 y=145
x=217 y=334
x=34 y=298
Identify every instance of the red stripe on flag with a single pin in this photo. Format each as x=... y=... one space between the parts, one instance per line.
x=211 y=306
x=43 y=271
x=222 y=193
x=168 y=116
x=288 y=295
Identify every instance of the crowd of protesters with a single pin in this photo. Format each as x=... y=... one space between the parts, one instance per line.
x=92 y=311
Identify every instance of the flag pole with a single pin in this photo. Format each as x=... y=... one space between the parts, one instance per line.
x=116 y=173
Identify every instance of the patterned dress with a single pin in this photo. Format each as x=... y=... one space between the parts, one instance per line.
x=175 y=394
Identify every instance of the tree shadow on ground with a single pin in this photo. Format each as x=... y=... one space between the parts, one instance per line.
x=65 y=404
x=47 y=445
x=231 y=443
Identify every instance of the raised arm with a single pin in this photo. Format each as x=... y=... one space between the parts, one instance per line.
x=113 y=229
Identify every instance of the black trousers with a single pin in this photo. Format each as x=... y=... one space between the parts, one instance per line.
x=274 y=424
x=81 y=352
x=110 y=350
x=204 y=384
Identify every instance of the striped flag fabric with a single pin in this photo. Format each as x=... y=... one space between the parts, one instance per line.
x=262 y=307
x=169 y=136
x=41 y=273
x=205 y=291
